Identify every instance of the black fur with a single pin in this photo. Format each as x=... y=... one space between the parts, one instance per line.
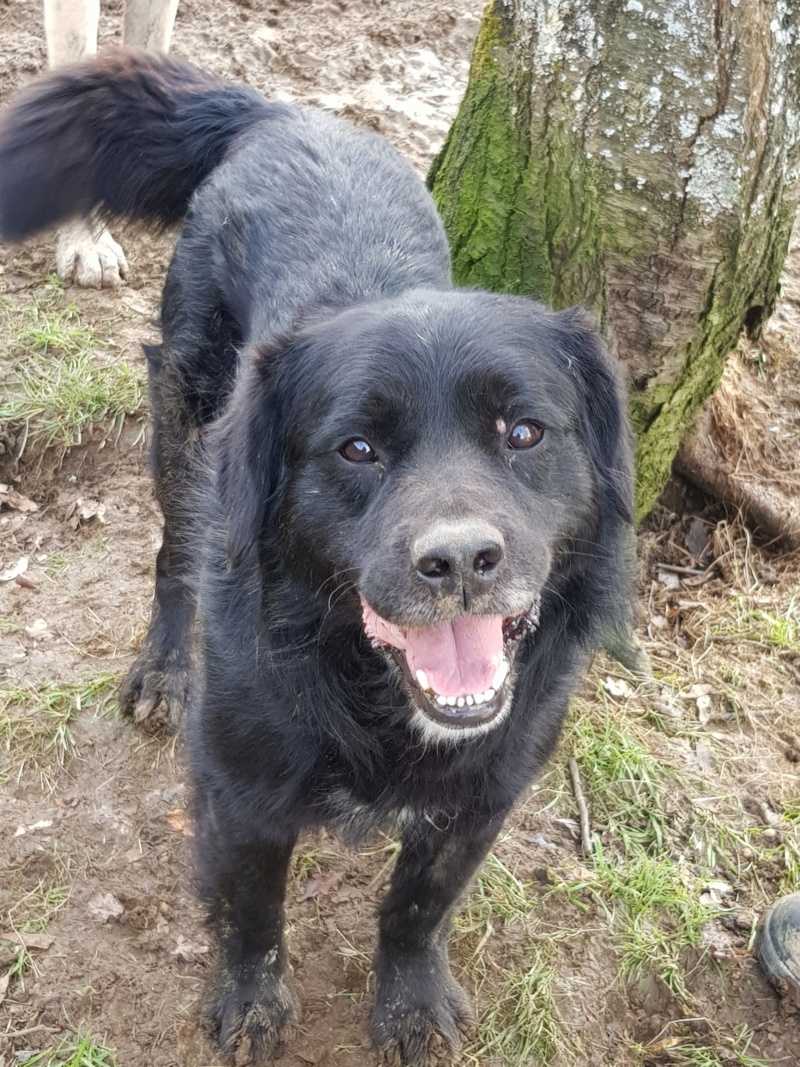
x=309 y=302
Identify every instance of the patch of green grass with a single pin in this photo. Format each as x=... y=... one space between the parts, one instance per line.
x=308 y=863
x=59 y=398
x=625 y=782
x=47 y=330
x=32 y=912
x=651 y=900
x=56 y=565
x=521 y=1024
x=35 y=722
x=658 y=915
x=61 y=386
x=769 y=628
x=726 y=841
x=18 y=966
x=498 y=894
x=80 y=1050
x=694 y=1052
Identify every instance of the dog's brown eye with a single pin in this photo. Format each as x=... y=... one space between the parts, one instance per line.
x=358 y=451
x=525 y=434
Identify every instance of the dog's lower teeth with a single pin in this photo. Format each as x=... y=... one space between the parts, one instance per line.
x=500 y=674
x=422 y=681
x=469 y=701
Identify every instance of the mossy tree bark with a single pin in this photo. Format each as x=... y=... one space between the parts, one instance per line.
x=639 y=157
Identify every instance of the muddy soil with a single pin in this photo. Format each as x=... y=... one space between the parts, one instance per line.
x=125 y=953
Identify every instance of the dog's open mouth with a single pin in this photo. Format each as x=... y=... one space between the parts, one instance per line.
x=458 y=672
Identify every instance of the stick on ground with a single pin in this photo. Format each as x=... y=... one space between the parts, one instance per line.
x=583 y=810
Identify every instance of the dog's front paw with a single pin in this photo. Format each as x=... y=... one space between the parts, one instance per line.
x=155 y=690
x=89 y=255
x=421 y=1013
x=253 y=1025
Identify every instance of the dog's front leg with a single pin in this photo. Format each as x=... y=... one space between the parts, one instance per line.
x=254 y=1004
x=420 y=1010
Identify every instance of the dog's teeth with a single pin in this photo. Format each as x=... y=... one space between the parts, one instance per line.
x=489 y=695
x=461 y=702
x=422 y=681
x=500 y=674
x=441 y=701
x=470 y=701
x=451 y=701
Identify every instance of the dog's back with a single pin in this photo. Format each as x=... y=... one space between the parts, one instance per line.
x=307 y=212
x=136 y=136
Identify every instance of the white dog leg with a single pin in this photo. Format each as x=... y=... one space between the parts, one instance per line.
x=87 y=254
x=148 y=23
x=70 y=27
x=86 y=251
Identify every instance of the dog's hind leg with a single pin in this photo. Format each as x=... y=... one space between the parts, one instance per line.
x=156 y=689
x=254 y=1006
x=420 y=1011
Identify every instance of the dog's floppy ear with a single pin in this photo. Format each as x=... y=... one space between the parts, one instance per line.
x=606 y=434
x=247 y=449
x=603 y=414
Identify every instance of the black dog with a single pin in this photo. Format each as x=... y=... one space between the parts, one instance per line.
x=414 y=510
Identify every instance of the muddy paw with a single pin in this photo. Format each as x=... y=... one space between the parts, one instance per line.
x=253 y=1031
x=421 y=1014
x=89 y=255
x=155 y=690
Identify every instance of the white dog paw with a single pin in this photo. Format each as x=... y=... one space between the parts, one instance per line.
x=89 y=255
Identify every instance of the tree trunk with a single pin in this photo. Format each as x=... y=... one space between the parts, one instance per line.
x=639 y=157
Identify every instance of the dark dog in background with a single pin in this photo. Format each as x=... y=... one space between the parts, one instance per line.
x=414 y=511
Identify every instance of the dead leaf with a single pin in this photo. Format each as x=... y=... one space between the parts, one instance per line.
x=85 y=511
x=321 y=886
x=617 y=687
x=697 y=537
x=669 y=580
x=14 y=570
x=704 y=757
x=188 y=951
x=705 y=710
x=39 y=629
x=105 y=906
x=4 y=986
x=31 y=580
x=12 y=499
x=43 y=941
x=580 y=874
x=717 y=885
x=665 y=1044
x=180 y=822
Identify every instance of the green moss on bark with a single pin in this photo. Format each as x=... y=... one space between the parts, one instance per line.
x=558 y=183
x=518 y=222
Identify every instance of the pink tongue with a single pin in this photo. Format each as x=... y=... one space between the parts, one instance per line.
x=457 y=657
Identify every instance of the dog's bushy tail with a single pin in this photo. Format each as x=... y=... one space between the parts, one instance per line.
x=127 y=134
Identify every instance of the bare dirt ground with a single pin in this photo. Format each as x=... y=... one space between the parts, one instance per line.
x=639 y=954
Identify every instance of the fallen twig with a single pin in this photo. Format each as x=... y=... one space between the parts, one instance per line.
x=583 y=810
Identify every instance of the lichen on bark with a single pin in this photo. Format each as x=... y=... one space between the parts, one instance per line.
x=639 y=159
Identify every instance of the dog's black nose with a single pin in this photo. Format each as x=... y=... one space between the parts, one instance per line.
x=458 y=556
